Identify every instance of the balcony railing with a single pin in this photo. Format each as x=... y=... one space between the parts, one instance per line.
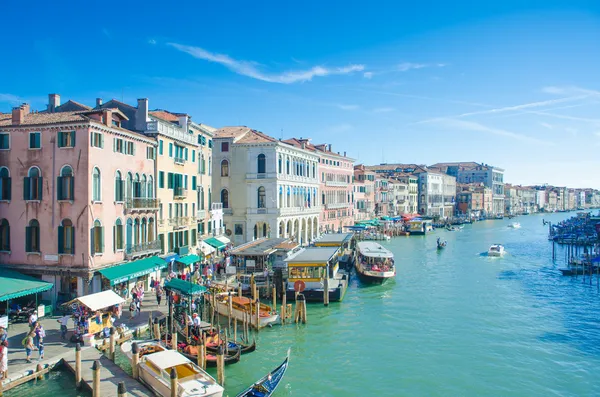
x=336 y=184
x=216 y=206
x=201 y=214
x=179 y=192
x=179 y=160
x=141 y=204
x=261 y=175
x=299 y=210
x=148 y=248
x=227 y=211
x=334 y=206
x=181 y=221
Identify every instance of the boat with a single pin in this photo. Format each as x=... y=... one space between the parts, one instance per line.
x=242 y=307
x=515 y=225
x=454 y=228
x=496 y=250
x=265 y=386
x=420 y=226
x=156 y=363
x=191 y=353
x=374 y=263
x=213 y=342
x=441 y=244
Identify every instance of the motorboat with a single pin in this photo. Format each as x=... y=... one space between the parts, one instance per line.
x=155 y=365
x=515 y=225
x=496 y=250
x=375 y=263
x=244 y=309
x=266 y=385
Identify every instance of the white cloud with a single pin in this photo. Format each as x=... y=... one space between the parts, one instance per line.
x=12 y=99
x=406 y=66
x=347 y=107
x=383 y=110
x=368 y=75
x=152 y=41
x=570 y=90
x=549 y=126
x=250 y=69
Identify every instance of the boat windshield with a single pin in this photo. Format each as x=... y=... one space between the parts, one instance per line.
x=370 y=263
x=495 y=248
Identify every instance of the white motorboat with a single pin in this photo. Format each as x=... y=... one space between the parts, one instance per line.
x=496 y=250
x=374 y=264
x=515 y=225
x=242 y=309
x=155 y=366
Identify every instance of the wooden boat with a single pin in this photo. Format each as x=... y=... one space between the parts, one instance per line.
x=243 y=309
x=374 y=264
x=441 y=244
x=233 y=347
x=191 y=353
x=266 y=385
x=156 y=363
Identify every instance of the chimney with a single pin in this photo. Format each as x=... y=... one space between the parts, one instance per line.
x=26 y=109
x=141 y=114
x=98 y=102
x=108 y=117
x=344 y=154
x=184 y=121
x=53 y=102
x=18 y=116
x=303 y=144
x=330 y=147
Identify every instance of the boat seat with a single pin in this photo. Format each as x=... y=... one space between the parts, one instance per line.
x=183 y=371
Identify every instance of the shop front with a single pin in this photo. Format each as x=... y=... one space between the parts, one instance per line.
x=19 y=297
x=122 y=278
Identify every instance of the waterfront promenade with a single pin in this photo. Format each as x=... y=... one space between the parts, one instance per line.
x=56 y=349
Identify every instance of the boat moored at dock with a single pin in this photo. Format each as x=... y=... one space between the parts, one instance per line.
x=420 y=226
x=374 y=263
x=243 y=308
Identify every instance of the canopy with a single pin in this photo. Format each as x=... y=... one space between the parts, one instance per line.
x=188 y=259
x=215 y=243
x=206 y=249
x=135 y=269
x=167 y=359
x=223 y=239
x=15 y=285
x=99 y=300
x=184 y=287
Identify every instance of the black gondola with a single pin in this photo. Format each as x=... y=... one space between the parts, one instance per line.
x=234 y=346
x=211 y=358
x=266 y=385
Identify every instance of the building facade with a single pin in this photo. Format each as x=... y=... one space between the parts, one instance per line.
x=398 y=193
x=364 y=193
x=437 y=194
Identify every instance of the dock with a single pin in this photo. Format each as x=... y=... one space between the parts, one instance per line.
x=110 y=374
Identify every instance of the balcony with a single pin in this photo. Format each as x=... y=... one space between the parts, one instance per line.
x=261 y=175
x=179 y=160
x=179 y=222
x=201 y=214
x=336 y=184
x=141 y=204
x=335 y=206
x=137 y=250
x=179 y=192
x=170 y=130
x=227 y=211
x=299 y=211
x=216 y=206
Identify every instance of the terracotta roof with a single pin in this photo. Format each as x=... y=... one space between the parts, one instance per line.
x=298 y=143
x=231 y=132
x=118 y=102
x=287 y=245
x=164 y=115
x=255 y=137
x=45 y=118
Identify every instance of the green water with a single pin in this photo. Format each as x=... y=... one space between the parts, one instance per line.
x=453 y=323
x=56 y=383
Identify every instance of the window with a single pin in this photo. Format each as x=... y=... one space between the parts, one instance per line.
x=97 y=238
x=118 y=145
x=97 y=140
x=224 y=168
x=262 y=197
x=130 y=148
x=170 y=180
x=193 y=156
x=225 y=198
x=35 y=140
x=118 y=236
x=65 y=184
x=4 y=235
x=32 y=236
x=160 y=147
x=185 y=154
x=66 y=139
x=4 y=141
x=201 y=194
x=170 y=149
x=161 y=179
x=66 y=238
x=32 y=185
x=193 y=182
x=5 y=184
x=210 y=143
x=193 y=238
x=202 y=165
x=150 y=188
x=119 y=187
x=262 y=164
x=96 y=188
x=287 y=166
x=224 y=146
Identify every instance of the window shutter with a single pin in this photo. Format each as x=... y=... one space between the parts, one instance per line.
x=101 y=248
x=59 y=190
x=186 y=154
x=102 y=141
x=61 y=139
x=61 y=240
x=170 y=150
x=26 y=185
x=193 y=156
x=73 y=240
x=28 y=239
x=193 y=182
x=72 y=188
x=114 y=239
x=9 y=188
x=37 y=238
x=114 y=144
x=73 y=138
x=40 y=187
x=38 y=139
x=91 y=138
x=122 y=192
x=92 y=239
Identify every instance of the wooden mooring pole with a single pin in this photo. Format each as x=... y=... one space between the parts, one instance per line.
x=174 y=383
x=135 y=369
x=121 y=390
x=111 y=351
x=220 y=366
x=78 y=365
x=156 y=329
x=96 y=378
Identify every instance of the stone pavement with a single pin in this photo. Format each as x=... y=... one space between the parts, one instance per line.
x=56 y=349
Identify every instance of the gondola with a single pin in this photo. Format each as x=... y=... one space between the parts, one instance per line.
x=233 y=347
x=441 y=244
x=211 y=358
x=266 y=385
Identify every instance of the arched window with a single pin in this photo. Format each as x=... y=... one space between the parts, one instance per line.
x=262 y=197
x=137 y=190
x=280 y=165
x=225 y=198
x=143 y=186
x=144 y=230
x=224 y=168
x=261 y=164
x=119 y=187
x=32 y=236
x=129 y=235
x=5 y=184
x=129 y=187
x=66 y=237
x=32 y=189
x=287 y=165
x=97 y=238
x=151 y=237
x=150 y=189
x=66 y=183
x=96 y=187
x=4 y=235
x=118 y=235
x=136 y=232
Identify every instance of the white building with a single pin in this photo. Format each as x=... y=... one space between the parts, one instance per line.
x=437 y=194
x=268 y=188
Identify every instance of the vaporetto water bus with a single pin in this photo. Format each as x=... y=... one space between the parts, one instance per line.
x=374 y=263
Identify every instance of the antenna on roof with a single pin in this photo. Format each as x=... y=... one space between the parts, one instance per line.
x=281 y=134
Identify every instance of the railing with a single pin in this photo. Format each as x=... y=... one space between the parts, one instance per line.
x=181 y=221
x=261 y=175
x=171 y=131
x=179 y=192
x=336 y=184
x=227 y=211
x=216 y=206
x=201 y=214
x=139 y=203
x=179 y=160
x=298 y=210
x=336 y=206
x=147 y=248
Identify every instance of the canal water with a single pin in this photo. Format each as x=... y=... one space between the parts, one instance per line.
x=453 y=323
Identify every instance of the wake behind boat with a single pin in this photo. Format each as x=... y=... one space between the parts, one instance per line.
x=515 y=225
x=266 y=385
x=374 y=264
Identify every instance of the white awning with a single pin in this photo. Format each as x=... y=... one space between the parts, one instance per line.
x=100 y=300
x=223 y=239
x=206 y=249
x=167 y=359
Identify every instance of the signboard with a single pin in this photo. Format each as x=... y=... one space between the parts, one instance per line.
x=4 y=322
x=299 y=286
x=230 y=270
x=51 y=258
x=41 y=311
x=250 y=263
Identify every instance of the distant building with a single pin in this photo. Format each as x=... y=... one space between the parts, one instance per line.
x=364 y=193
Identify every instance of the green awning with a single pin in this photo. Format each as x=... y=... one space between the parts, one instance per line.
x=184 y=287
x=127 y=271
x=215 y=243
x=15 y=285
x=188 y=259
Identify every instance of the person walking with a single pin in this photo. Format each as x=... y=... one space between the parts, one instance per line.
x=159 y=294
x=33 y=321
x=64 y=326
x=28 y=344
x=41 y=348
x=132 y=309
x=4 y=360
x=40 y=334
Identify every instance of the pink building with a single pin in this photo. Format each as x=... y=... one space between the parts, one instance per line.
x=77 y=194
x=335 y=172
x=364 y=193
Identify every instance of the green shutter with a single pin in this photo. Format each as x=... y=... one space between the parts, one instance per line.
x=26 y=188
x=73 y=134
x=39 y=186
x=170 y=150
x=193 y=182
x=186 y=154
x=193 y=156
x=61 y=240
x=28 y=239
x=161 y=179
x=101 y=239
x=185 y=182
x=9 y=188
x=37 y=238
x=59 y=188
x=114 y=239
x=61 y=139
x=92 y=235
x=73 y=240
x=72 y=188
x=160 y=147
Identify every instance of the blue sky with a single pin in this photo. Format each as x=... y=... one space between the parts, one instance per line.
x=515 y=84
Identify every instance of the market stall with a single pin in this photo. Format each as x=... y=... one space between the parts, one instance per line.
x=20 y=294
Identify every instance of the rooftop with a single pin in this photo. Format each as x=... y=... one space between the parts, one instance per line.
x=313 y=255
x=374 y=250
x=334 y=238
x=264 y=246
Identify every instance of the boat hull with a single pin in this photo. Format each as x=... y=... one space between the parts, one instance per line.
x=378 y=278
x=316 y=295
x=223 y=310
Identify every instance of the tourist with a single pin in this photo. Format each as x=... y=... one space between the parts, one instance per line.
x=3 y=334
x=139 y=306
x=152 y=283
x=64 y=326
x=40 y=334
x=33 y=321
x=132 y=309
x=159 y=294
x=4 y=360
x=41 y=349
x=28 y=345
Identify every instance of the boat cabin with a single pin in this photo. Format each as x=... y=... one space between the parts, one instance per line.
x=420 y=226
x=374 y=257
x=312 y=265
